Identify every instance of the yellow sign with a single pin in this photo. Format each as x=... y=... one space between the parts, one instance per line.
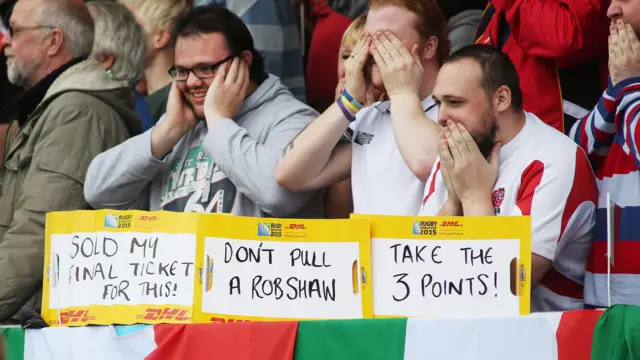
x=274 y=269
x=450 y=266
x=119 y=267
x=124 y=267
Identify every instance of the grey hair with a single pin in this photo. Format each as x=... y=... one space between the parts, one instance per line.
x=118 y=33
x=74 y=21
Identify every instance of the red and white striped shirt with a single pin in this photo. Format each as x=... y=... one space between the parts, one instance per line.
x=543 y=174
x=609 y=135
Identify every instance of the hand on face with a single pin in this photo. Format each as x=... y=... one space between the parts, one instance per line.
x=353 y=68
x=446 y=166
x=401 y=70
x=624 y=52
x=179 y=113
x=470 y=175
x=340 y=87
x=227 y=91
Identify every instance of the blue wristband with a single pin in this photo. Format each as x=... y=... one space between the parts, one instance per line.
x=345 y=111
x=351 y=99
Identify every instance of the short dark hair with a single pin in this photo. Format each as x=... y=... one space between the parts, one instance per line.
x=217 y=19
x=497 y=70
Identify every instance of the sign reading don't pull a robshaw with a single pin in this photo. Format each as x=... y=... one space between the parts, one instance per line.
x=276 y=269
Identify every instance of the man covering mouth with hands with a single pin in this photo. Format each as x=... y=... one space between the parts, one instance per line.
x=498 y=160
x=388 y=149
x=225 y=128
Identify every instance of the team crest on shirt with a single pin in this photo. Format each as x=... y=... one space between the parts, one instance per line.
x=363 y=138
x=497 y=197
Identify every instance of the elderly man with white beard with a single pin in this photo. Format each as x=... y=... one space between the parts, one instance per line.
x=70 y=111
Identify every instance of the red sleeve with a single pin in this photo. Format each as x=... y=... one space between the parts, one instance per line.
x=568 y=31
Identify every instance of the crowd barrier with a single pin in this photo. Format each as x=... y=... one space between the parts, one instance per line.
x=109 y=267
x=563 y=336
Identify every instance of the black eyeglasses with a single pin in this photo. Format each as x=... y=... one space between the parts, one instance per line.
x=200 y=71
x=16 y=30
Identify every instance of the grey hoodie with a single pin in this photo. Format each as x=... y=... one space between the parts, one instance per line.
x=227 y=169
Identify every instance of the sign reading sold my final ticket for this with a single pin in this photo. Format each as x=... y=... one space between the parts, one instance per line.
x=106 y=267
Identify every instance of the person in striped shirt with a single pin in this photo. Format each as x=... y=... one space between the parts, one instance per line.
x=609 y=135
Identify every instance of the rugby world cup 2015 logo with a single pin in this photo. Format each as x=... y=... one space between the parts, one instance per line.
x=270 y=229
x=264 y=229
x=416 y=228
x=111 y=221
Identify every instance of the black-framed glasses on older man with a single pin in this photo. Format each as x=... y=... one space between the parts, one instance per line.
x=201 y=71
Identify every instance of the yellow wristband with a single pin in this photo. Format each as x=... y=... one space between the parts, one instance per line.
x=349 y=105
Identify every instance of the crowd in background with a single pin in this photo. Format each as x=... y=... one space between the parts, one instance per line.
x=323 y=108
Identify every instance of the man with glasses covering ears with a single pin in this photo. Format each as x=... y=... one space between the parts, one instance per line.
x=216 y=148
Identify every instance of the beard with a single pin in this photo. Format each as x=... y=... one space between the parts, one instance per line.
x=487 y=139
x=18 y=74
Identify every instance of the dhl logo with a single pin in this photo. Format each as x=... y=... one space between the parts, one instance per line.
x=223 y=320
x=147 y=218
x=297 y=227
x=155 y=314
x=71 y=317
x=450 y=224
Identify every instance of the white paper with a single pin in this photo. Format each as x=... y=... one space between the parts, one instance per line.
x=440 y=278
x=106 y=268
x=257 y=295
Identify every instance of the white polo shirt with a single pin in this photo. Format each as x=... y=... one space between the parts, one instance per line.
x=381 y=182
x=545 y=175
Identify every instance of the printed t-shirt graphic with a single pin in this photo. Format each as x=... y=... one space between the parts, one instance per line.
x=196 y=184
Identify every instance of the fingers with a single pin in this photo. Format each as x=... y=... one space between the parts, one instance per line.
x=468 y=139
x=443 y=150
x=232 y=75
x=378 y=58
x=393 y=45
x=381 y=48
x=623 y=39
x=397 y=44
x=244 y=77
x=460 y=142
x=174 y=91
x=361 y=54
x=453 y=146
x=615 y=40
x=633 y=39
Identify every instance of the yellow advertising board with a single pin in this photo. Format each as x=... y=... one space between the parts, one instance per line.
x=450 y=266
x=274 y=269
x=119 y=267
x=125 y=267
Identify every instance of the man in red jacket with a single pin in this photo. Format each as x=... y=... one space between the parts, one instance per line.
x=559 y=48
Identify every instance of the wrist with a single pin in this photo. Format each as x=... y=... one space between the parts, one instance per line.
x=478 y=204
x=213 y=115
x=348 y=105
x=404 y=95
x=354 y=97
x=452 y=208
x=163 y=138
